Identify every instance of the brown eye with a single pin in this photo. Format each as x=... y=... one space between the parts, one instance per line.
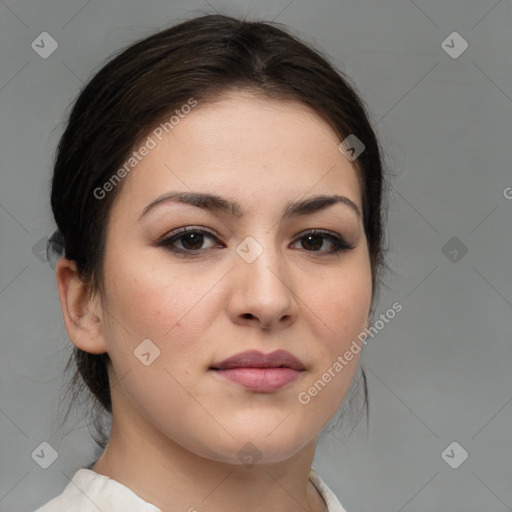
x=313 y=241
x=190 y=239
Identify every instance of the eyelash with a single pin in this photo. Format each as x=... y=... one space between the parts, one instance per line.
x=340 y=245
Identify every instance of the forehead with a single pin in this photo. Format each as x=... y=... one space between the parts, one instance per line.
x=243 y=145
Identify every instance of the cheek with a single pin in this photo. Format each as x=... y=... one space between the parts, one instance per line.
x=157 y=303
x=342 y=311
x=143 y=292
x=343 y=304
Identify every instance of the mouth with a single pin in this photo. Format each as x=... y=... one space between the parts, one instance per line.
x=260 y=372
x=255 y=359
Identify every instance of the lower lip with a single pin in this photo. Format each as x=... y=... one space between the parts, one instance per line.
x=260 y=379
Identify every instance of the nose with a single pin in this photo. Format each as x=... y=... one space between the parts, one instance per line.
x=263 y=292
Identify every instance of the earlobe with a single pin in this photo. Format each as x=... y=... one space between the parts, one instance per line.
x=80 y=312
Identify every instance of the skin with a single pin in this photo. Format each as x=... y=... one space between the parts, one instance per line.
x=177 y=426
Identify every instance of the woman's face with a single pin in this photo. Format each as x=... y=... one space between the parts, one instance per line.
x=252 y=277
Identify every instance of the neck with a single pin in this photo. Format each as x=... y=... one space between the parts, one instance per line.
x=171 y=477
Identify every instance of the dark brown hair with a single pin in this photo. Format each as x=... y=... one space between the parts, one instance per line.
x=202 y=58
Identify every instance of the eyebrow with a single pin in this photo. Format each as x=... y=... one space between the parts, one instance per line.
x=217 y=203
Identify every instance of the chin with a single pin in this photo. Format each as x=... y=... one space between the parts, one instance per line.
x=254 y=447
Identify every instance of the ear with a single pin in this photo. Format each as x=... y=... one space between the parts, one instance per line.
x=80 y=310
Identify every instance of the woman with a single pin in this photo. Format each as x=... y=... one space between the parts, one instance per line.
x=217 y=193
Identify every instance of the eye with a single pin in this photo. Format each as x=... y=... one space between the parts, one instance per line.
x=314 y=240
x=190 y=238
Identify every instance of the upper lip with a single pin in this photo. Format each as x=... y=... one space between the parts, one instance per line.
x=255 y=359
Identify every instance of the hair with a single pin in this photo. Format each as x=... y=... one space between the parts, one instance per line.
x=203 y=58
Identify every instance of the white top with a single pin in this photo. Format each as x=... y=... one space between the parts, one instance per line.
x=89 y=491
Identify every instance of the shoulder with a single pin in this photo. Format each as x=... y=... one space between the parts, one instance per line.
x=331 y=500
x=89 y=491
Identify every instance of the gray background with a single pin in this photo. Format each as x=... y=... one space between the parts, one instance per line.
x=438 y=372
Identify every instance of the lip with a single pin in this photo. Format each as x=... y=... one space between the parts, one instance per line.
x=260 y=372
x=255 y=359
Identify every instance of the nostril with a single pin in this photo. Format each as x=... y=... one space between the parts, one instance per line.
x=248 y=315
